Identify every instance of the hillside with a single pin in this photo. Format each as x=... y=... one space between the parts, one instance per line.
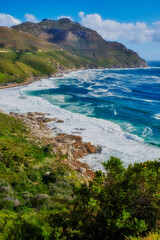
x=84 y=42
x=33 y=50
x=11 y=39
x=24 y=56
x=43 y=198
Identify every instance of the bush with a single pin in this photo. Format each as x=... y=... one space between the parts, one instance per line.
x=121 y=203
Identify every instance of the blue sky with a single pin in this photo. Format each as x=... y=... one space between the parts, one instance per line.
x=134 y=23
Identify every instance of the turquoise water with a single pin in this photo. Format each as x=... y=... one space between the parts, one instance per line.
x=128 y=97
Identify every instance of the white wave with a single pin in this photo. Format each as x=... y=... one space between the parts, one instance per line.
x=58 y=99
x=41 y=85
x=100 y=90
x=124 y=89
x=98 y=94
x=115 y=112
x=133 y=98
x=147 y=131
x=157 y=116
x=154 y=67
x=128 y=126
x=114 y=141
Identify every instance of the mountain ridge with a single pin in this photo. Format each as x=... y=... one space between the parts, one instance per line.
x=34 y=50
x=84 y=42
x=24 y=57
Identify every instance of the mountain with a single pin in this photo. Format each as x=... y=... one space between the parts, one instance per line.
x=18 y=40
x=83 y=42
x=24 y=56
x=31 y=50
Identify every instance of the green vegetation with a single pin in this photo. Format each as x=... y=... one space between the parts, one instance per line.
x=42 y=198
x=150 y=236
x=83 y=42
x=23 y=56
x=19 y=66
x=122 y=203
x=65 y=45
x=33 y=183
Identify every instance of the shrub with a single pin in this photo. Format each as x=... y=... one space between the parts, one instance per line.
x=124 y=202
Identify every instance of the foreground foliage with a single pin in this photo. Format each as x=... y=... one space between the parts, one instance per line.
x=150 y=236
x=42 y=198
x=121 y=203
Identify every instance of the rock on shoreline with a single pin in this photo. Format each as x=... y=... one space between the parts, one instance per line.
x=71 y=147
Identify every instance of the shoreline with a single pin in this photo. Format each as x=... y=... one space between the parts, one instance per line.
x=113 y=140
x=60 y=73
x=70 y=147
x=35 y=79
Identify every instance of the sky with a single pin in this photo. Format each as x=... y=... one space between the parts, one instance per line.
x=133 y=23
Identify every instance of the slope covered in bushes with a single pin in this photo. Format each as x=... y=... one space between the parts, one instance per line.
x=42 y=198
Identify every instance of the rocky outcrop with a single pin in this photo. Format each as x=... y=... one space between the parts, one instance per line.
x=71 y=147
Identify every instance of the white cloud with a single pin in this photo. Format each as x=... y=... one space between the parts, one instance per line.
x=156 y=34
x=156 y=24
x=8 y=20
x=112 y=30
x=65 y=17
x=30 y=18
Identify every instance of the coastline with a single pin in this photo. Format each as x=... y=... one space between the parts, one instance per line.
x=28 y=81
x=113 y=140
x=70 y=147
x=18 y=84
x=61 y=73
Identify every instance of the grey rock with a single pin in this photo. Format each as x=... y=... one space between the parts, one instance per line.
x=82 y=170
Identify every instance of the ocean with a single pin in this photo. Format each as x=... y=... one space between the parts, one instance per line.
x=118 y=109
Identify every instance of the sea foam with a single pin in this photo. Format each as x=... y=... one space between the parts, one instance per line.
x=157 y=116
x=113 y=140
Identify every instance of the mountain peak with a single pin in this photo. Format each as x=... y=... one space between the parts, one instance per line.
x=46 y=20
x=82 y=41
x=65 y=20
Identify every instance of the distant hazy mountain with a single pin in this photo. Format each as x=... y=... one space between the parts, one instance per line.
x=84 y=42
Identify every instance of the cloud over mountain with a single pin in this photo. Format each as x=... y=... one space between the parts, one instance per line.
x=8 y=20
x=112 y=30
x=30 y=18
x=65 y=17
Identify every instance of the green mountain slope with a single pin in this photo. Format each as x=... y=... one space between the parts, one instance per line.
x=42 y=198
x=84 y=42
x=24 y=56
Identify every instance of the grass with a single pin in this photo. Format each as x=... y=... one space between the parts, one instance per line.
x=28 y=196
x=23 y=164
x=23 y=56
x=151 y=236
x=19 y=66
x=37 y=192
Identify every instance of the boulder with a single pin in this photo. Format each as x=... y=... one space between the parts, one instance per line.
x=82 y=170
x=31 y=114
x=42 y=196
x=90 y=148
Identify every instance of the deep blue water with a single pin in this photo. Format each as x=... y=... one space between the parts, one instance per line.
x=128 y=97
